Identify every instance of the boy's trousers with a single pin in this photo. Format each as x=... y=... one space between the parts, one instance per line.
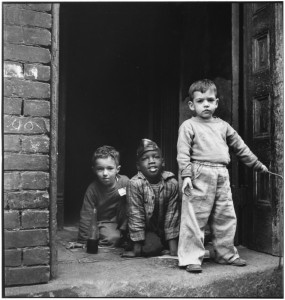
x=209 y=200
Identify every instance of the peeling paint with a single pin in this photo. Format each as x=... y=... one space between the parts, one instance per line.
x=35 y=146
x=13 y=70
x=33 y=72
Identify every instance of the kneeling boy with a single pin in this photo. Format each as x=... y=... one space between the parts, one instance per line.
x=107 y=194
x=152 y=198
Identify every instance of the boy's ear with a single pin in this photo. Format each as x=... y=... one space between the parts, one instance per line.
x=163 y=162
x=138 y=166
x=217 y=101
x=118 y=169
x=191 y=105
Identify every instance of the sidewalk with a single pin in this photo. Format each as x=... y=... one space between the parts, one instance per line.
x=107 y=274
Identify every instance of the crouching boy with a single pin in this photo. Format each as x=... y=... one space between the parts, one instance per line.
x=152 y=195
x=107 y=194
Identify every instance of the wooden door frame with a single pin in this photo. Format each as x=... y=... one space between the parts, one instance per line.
x=54 y=139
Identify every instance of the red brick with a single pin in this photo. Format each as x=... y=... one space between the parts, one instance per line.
x=27 y=35
x=12 y=181
x=26 y=89
x=24 y=125
x=26 y=200
x=26 y=162
x=37 y=72
x=13 y=69
x=34 y=180
x=12 y=106
x=12 y=143
x=26 y=238
x=24 y=275
x=35 y=219
x=35 y=144
x=11 y=219
x=36 y=256
x=15 y=16
x=26 y=53
x=13 y=258
x=36 y=108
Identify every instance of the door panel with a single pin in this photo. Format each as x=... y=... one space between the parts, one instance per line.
x=259 y=60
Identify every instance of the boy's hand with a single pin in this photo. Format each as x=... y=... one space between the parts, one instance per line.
x=187 y=184
x=264 y=169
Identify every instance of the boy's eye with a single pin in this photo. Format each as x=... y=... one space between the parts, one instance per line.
x=110 y=168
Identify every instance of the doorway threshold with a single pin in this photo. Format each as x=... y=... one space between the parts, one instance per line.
x=107 y=274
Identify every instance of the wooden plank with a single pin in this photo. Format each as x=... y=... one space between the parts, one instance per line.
x=54 y=138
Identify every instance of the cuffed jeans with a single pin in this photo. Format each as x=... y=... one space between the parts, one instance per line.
x=209 y=200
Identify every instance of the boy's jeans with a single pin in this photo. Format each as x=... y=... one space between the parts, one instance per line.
x=210 y=199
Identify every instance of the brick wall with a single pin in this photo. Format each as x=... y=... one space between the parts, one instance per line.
x=26 y=108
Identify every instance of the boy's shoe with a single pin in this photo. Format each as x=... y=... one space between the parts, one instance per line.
x=194 y=268
x=238 y=262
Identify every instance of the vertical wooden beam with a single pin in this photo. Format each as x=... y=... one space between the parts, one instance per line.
x=235 y=115
x=235 y=65
x=54 y=138
x=235 y=85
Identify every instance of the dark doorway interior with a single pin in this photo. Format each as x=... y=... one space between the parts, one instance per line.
x=125 y=69
x=118 y=63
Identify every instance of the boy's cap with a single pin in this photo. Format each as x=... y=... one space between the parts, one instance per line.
x=146 y=145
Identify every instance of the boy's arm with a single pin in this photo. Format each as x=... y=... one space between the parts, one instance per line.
x=136 y=211
x=183 y=149
x=171 y=223
x=242 y=151
x=86 y=215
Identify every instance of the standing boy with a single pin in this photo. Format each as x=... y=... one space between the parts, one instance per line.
x=203 y=154
x=107 y=194
x=152 y=196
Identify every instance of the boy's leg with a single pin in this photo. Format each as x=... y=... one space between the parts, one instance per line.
x=109 y=235
x=195 y=212
x=223 y=221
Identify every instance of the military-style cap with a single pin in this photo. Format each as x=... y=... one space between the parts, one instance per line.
x=146 y=145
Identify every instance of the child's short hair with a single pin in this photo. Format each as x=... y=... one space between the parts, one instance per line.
x=202 y=86
x=105 y=152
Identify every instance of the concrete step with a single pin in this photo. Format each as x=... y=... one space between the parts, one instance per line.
x=107 y=274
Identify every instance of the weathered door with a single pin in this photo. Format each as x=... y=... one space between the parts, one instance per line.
x=261 y=122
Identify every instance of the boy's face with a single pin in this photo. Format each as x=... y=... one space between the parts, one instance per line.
x=151 y=164
x=106 y=170
x=204 y=104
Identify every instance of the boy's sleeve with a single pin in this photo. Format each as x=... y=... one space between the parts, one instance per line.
x=183 y=150
x=241 y=150
x=136 y=212
x=86 y=215
x=171 y=223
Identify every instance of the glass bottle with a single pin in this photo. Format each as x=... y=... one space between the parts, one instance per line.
x=93 y=236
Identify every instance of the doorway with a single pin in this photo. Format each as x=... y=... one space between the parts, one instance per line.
x=119 y=83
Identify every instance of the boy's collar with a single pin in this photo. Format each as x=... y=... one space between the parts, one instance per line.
x=164 y=175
